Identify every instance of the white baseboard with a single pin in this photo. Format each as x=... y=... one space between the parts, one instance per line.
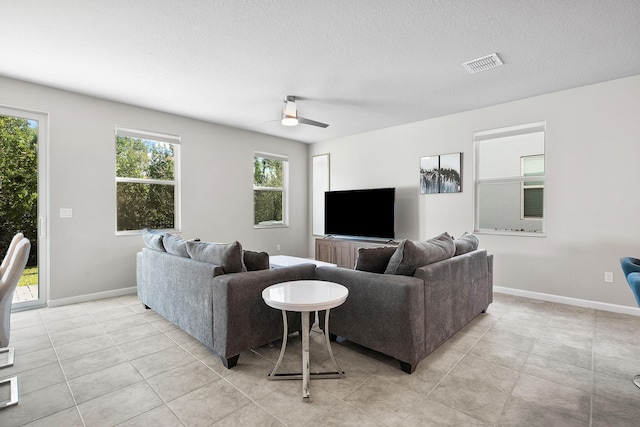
x=91 y=297
x=634 y=311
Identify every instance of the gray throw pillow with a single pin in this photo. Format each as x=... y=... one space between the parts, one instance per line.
x=411 y=254
x=175 y=245
x=153 y=239
x=466 y=243
x=255 y=261
x=374 y=260
x=226 y=255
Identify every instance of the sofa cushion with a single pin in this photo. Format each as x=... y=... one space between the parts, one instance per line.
x=374 y=260
x=175 y=245
x=153 y=239
x=466 y=243
x=226 y=255
x=411 y=254
x=255 y=261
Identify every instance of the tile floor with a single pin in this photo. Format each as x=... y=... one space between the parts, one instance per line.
x=524 y=363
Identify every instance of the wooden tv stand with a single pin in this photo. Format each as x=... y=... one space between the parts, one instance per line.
x=344 y=252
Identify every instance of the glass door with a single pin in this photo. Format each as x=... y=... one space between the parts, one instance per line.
x=23 y=198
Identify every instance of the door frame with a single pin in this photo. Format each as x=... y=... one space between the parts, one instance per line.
x=43 y=203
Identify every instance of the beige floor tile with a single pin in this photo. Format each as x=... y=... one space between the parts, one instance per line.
x=343 y=414
x=17 y=335
x=133 y=334
x=621 y=390
x=120 y=405
x=478 y=399
x=607 y=413
x=563 y=353
x=28 y=361
x=508 y=340
x=25 y=322
x=432 y=413
x=104 y=381
x=518 y=412
x=111 y=313
x=91 y=362
x=72 y=323
x=182 y=380
x=161 y=416
x=565 y=400
x=37 y=404
x=250 y=415
x=73 y=335
x=66 y=418
x=32 y=344
x=288 y=406
x=123 y=323
x=559 y=372
x=83 y=346
x=503 y=356
x=208 y=404
x=615 y=367
x=384 y=400
x=64 y=312
x=146 y=346
x=39 y=378
x=162 y=361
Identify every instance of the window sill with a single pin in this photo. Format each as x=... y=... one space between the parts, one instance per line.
x=270 y=226
x=509 y=233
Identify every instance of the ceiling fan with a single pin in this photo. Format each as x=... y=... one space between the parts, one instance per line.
x=290 y=115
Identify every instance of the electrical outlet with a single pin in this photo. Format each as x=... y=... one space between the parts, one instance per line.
x=278 y=247
x=66 y=213
x=608 y=277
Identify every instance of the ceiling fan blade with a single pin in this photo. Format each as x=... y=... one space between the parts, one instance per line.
x=311 y=122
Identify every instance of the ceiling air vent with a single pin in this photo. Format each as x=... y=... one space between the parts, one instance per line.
x=483 y=64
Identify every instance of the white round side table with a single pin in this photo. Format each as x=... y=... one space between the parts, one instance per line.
x=305 y=296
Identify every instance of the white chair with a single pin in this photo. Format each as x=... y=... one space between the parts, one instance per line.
x=10 y=278
x=17 y=255
x=7 y=257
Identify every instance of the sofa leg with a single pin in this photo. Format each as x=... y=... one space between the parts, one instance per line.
x=230 y=362
x=407 y=367
x=146 y=306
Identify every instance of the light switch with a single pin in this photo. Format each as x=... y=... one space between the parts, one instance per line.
x=66 y=212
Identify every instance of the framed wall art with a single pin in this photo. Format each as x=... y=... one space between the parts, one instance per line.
x=441 y=174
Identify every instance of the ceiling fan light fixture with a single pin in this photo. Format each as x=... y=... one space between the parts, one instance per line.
x=289 y=120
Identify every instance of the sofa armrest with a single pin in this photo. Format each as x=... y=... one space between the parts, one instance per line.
x=241 y=318
x=457 y=289
x=383 y=312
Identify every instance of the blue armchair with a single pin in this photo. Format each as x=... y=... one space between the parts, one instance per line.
x=631 y=269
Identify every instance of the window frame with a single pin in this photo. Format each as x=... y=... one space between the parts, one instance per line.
x=493 y=134
x=284 y=189
x=175 y=140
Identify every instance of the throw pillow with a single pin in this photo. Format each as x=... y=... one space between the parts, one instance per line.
x=411 y=254
x=226 y=255
x=466 y=243
x=255 y=261
x=374 y=260
x=175 y=245
x=153 y=239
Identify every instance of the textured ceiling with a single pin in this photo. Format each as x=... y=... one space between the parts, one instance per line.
x=358 y=65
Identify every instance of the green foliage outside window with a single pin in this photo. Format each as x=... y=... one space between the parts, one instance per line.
x=268 y=181
x=143 y=204
x=19 y=183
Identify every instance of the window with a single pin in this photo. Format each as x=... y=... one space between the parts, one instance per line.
x=147 y=190
x=509 y=180
x=532 y=191
x=270 y=184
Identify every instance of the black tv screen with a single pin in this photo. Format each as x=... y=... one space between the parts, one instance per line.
x=360 y=213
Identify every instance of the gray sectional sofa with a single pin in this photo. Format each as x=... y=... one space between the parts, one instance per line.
x=217 y=300
x=404 y=301
x=413 y=298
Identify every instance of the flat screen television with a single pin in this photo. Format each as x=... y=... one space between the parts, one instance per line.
x=360 y=213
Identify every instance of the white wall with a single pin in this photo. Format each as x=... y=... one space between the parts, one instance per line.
x=592 y=162
x=86 y=257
